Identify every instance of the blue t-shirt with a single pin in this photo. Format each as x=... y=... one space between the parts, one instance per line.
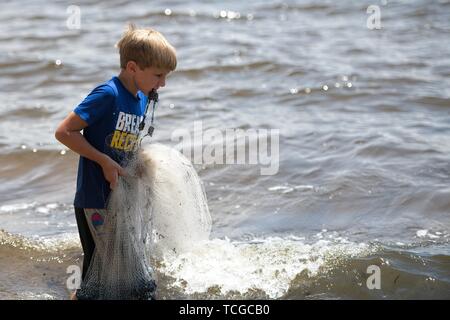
x=113 y=116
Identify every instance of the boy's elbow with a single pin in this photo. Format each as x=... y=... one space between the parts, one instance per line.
x=60 y=134
x=68 y=127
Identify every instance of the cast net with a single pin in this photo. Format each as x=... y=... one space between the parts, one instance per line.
x=159 y=208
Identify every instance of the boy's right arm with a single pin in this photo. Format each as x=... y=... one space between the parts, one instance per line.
x=69 y=134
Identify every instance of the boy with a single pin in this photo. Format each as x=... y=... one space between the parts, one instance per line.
x=110 y=117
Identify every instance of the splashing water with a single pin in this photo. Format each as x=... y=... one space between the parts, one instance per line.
x=268 y=265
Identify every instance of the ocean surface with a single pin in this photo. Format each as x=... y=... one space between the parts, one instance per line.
x=364 y=123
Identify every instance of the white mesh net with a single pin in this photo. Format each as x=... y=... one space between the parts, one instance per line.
x=159 y=208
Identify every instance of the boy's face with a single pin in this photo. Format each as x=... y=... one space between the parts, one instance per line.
x=149 y=78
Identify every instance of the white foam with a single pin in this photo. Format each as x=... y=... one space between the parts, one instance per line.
x=60 y=241
x=277 y=188
x=304 y=187
x=421 y=233
x=425 y=233
x=288 y=189
x=43 y=210
x=28 y=295
x=10 y=208
x=269 y=264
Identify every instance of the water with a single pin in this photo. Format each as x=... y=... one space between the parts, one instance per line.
x=364 y=123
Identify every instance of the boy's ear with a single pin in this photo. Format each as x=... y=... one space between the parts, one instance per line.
x=131 y=66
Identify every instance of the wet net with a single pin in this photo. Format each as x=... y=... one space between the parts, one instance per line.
x=159 y=208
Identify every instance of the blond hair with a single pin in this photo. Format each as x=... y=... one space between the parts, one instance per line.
x=147 y=47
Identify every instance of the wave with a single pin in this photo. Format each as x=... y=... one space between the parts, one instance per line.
x=288 y=267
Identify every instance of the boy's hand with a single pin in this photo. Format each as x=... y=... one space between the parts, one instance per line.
x=112 y=170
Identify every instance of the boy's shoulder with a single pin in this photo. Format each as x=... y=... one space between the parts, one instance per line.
x=98 y=102
x=113 y=87
x=108 y=88
x=104 y=91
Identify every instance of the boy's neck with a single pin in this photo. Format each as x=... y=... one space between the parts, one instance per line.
x=128 y=82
